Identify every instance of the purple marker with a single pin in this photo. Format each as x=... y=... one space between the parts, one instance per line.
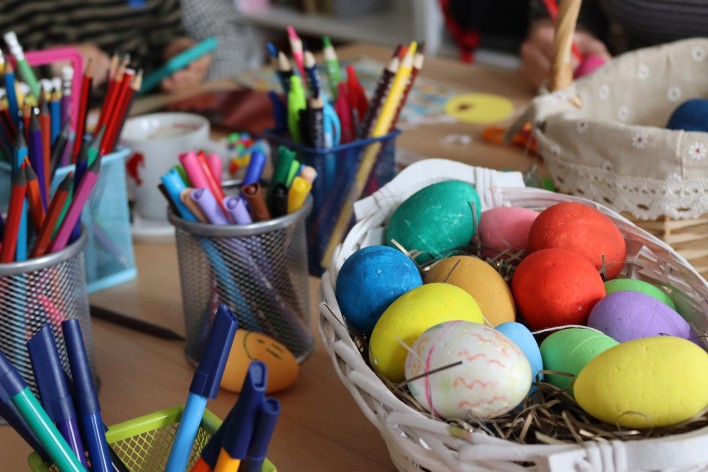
x=237 y=210
x=209 y=206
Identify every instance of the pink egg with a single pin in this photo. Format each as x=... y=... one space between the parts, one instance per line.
x=505 y=230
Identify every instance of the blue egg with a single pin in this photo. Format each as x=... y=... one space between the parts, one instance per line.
x=523 y=338
x=691 y=115
x=370 y=280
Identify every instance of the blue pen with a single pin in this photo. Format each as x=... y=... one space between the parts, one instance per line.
x=205 y=385
x=86 y=398
x=11 y=93
x=174 y=185
x=265 y=424
x=254 y=171
x=53 y=389
x=240 y=429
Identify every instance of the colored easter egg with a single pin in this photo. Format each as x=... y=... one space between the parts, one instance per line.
x=436 y=219
x=556 y=287
x=247 y=346
x=582 y=229
x=370 y=280
x=480 y=280
x=522 y=337
x=492 y=377
x=504 y=231
x=411 y=314
x=626 y=315
x=588 y=65
x=691 y=115
x=645 y=383
x=636 y=285
x=569 y=350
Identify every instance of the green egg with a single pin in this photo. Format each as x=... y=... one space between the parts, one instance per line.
x=436 y=219
x=569 y=350
x=635 y=285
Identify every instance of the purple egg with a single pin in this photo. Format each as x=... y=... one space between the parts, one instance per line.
x=626 y=315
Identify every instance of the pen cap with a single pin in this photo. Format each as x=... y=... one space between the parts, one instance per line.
x=237 y=210
x=240 y=430
x=49 y=375
x=172 y=180
x=267 y=417
x=10 y=378
x=255 y=168
x=211 y=368
x=85 y=394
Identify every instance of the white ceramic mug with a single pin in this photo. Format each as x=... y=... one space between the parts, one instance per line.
x=156 y=141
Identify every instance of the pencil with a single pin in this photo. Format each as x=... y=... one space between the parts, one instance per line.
x=133 y=323
x=112 y=120
x=313 y=76
x=36 y=208
x=36 y=154
x=12 y=102
x=296 y=49
x=331 y=63
x=59 y=146
x=124 y=101
x=14 y=214
x=285 y=70
x=383 y=123
x=84 y=101
x=61 y=194
x=417 y=66
x=382 y=87
x=125 y=110
x=45 y=127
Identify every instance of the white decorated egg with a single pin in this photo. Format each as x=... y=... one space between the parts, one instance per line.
x=460 y=369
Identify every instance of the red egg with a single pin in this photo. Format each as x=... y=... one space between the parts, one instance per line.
x=581 y=229
x=556 y=287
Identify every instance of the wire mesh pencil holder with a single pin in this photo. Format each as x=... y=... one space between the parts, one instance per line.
x=143 y=443
x=259 y=270
x=109 y=256
x=336 y=168
x=48 y=289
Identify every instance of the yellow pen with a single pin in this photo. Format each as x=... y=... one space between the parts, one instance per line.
x=297 y=194
x=383 y=124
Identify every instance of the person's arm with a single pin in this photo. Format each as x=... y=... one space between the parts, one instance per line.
x=537 y=49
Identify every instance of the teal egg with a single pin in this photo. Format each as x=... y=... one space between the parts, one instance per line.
x=436 y=219
x=636 y=285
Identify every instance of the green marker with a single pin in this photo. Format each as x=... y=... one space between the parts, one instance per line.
x=37 y=419
x=334 y=75
x=296 y=102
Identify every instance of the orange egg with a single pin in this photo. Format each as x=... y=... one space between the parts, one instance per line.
x=247 y=346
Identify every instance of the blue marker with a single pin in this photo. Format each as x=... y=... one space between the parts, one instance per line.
x=255 y=168
x=205 y=385
x=53 y=389
x=265 y=424
x=241 y=425
x=86 y=398
x=174 y=185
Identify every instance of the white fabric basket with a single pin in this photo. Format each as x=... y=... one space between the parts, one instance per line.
x=416 y=440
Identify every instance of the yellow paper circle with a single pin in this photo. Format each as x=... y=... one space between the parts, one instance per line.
x=479 y=108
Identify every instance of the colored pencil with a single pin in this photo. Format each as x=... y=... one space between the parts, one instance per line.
x=61 y=195
x=331 y=63
x=84 y=103
x=34 y=197
x=14 y=214
x=383 y=86
x=296 y=49
x=417 y=66
x=36 y=155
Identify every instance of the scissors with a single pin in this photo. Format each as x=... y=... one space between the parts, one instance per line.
x=523 y=139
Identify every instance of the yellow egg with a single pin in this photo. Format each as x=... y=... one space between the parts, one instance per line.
x=645 y=383
x=480 y=280
x=247 y=346
x=411 y=314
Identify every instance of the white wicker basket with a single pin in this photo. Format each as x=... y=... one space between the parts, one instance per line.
x=416 y=440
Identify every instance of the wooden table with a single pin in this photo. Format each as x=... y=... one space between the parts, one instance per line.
x=321 y=428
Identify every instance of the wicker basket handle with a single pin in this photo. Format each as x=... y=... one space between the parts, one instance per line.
x=561 y=67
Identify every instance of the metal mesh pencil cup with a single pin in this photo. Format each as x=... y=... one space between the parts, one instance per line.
x=336 y=168
x=48 y=289
x=108 y=256
x=258 y=270
x=143 y=443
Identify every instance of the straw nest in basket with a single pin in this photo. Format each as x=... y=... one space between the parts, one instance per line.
x=605 y=136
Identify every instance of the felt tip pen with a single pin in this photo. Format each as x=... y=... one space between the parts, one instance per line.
x=37 y=419
x=186 y=197
x=238 y=213
x=174 y=185
x=279 y=200
x=207 y=203
x=53 y=390
x=296 y=102
x=240 y=429
x=266 y=420
x=298 y=193
x=253 y=194
x=282 y=167
x=177 y=62
x=9 y=413
x=254 y=171
x=87 y=404
x=205 y=385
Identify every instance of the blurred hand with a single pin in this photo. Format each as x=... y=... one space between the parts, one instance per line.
x=100 y=62
x=189 y=77
x=537 y=51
